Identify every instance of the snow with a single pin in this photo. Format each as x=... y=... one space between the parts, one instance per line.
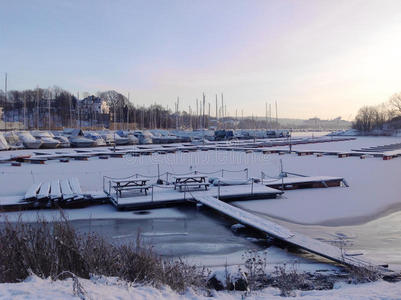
x=373 y=190
x=110 y=288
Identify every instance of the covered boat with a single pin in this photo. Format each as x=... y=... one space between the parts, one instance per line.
x=77 y=138
x=47 y=139
x=28 y=140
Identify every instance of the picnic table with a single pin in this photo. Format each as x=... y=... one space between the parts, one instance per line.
x=131 y=184
x=190 y=181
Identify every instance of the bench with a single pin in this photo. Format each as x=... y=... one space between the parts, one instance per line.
x=190 y=185
x=119 y=189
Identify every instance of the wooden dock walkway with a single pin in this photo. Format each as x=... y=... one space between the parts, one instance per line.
x=292 y=183
x=167 y=196
x=280 y=232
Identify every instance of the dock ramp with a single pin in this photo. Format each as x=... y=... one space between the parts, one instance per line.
x=280 y=232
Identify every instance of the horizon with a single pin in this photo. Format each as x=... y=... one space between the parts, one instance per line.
x=316 y=59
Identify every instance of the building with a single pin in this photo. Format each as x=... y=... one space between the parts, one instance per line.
x=92 y=104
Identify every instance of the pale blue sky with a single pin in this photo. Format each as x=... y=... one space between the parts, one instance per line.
x=316 y=58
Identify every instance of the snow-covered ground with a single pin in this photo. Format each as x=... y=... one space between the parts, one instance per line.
x=373 y=191
x=109 y=288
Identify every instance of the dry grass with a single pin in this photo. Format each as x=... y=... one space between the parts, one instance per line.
x=55 y=249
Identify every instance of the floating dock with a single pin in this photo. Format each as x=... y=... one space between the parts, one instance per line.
x=166 y=196
x=301 y=182
x=279 y=232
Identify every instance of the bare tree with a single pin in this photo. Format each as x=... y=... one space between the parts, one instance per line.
x=395 y=103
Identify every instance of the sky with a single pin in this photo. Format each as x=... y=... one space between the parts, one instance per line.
x=315 y=58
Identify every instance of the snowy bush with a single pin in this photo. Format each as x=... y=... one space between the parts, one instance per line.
x=55 y=250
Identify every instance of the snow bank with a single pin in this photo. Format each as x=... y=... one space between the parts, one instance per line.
x=110 y=288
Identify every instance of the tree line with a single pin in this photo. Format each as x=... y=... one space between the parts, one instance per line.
x=54 y=108
x=375 y=117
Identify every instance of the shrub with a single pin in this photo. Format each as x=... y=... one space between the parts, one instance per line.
x=55 y=249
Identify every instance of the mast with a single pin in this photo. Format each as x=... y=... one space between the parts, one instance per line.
x=266 y=115
x=128 y=113
x=79 y=111
x=276 y=116
x=37 y=108
x=270 y=112
x=48 y=108
x=24 y=111
x=5 y=101
x=222 y=106
x=203 y=116
x=69 y=97
x=197 y=114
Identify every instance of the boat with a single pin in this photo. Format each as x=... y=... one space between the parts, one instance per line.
x=3 y=143
x=107 y=137
x=144 y=137
x=77 y=138
x=64 y=141
x=120 y=140
x=132 y=139
x=47 y=139
x=28 y=140
x=96 y=137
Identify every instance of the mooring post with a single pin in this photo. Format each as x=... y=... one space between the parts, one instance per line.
x=152 y=192
x=251 y=186
x=246 y=172
x=167 y=177
x=222 y=172
x=218 y=190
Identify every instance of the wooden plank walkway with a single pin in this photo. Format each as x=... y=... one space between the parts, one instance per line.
x=291 y=183
x=55 y=190
x=280 y=232
x=66 y=189
x=32 y=191
x=44 y=191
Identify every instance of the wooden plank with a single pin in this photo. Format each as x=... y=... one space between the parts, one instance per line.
x=32 y=191
x=75 y=186
x=280 y=232
x=55 y=190
x=66 y=189
x=44 y=191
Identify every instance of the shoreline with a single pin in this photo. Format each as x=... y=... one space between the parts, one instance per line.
x=334 y=222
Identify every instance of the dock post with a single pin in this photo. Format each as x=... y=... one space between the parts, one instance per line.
x=222 y=172
x=218 y=190
x=152 y=192
x=251 y=186
x=167 y=177
x=246 y=172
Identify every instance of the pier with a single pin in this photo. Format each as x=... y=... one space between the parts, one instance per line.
x=279 y=232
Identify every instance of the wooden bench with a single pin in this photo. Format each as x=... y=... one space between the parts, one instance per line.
x=119 y=189
x=191 y=185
